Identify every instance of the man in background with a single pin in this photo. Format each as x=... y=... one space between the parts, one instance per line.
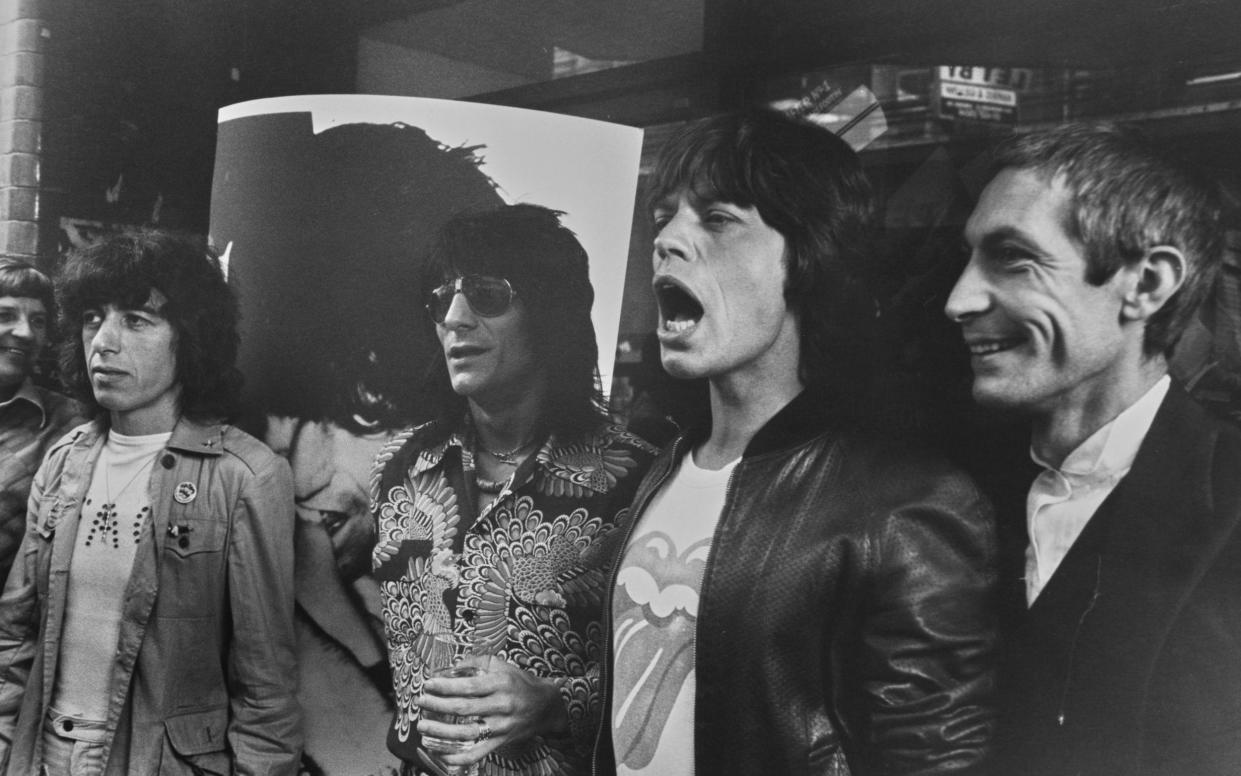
x=1090 y=250
x=31 y=417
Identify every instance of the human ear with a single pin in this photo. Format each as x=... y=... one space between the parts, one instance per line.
x=1160 y=273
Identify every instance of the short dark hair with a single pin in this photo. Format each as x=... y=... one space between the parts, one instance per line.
x=1126 y=196
x=123 y=269
x=549 y=270
x=21 y=279
x=809 y=186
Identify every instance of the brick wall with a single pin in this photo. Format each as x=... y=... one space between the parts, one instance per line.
x=21 y=113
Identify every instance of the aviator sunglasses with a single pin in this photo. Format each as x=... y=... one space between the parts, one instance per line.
x=487 y=296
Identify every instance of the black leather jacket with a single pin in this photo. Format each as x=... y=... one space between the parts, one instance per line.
x=845 y=623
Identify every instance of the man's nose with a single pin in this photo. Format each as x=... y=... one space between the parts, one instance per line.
x=671 y=242
x=22 y=329
x=107 y=337
x=459 y=312
x=969 y=295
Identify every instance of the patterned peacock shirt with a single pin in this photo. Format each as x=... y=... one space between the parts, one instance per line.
x=522 y=580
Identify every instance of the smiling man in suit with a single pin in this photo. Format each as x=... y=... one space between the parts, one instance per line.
x=1089 y=251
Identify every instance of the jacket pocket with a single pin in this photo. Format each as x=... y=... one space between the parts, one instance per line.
x=192 y=576
x=197 y=743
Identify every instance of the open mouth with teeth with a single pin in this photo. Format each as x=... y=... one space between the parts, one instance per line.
x=991 y=346
x=679 y=310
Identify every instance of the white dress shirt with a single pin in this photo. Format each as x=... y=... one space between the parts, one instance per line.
x=1062 y=501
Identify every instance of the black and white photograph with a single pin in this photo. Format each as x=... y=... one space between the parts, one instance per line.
x=639 y=388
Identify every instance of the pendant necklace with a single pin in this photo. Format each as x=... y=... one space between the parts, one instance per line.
x=506 y=456
x=107 y=523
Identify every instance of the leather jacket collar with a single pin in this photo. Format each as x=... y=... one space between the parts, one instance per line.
x=802 y=419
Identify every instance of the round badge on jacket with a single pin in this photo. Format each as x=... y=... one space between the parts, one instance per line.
x=185 y=492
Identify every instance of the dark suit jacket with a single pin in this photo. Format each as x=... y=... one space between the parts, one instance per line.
x=1129 y=661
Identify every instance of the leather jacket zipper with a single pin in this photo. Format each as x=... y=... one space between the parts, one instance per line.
x=702 y=583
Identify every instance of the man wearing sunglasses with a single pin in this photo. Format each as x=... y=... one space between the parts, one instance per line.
x=493 y=519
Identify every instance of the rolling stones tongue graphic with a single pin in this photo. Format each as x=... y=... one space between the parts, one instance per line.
x=656 y=607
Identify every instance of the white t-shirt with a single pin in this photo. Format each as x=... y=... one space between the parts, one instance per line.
x=115 y=512
x=655 y=613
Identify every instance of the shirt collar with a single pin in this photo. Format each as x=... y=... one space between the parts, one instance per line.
x=462 y=440
x=29 y=393
x=194 y=437
x=188 y=436
x=555 y=459
x=1110 y=451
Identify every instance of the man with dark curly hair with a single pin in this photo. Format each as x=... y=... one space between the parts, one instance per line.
x=147 y=626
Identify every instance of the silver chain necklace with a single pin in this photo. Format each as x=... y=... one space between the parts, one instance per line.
x=510 y=456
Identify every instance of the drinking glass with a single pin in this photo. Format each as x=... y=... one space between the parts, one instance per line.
x=445 y=660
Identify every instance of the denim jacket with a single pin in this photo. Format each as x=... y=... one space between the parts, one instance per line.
x=204 y=678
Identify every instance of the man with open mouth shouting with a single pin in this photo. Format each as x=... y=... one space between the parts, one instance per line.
x=793 y=596
x=1089 y=252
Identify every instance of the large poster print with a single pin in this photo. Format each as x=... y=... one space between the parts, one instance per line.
x=325 y=208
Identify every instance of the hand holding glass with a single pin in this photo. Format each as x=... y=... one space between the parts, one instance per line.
x=447 y=661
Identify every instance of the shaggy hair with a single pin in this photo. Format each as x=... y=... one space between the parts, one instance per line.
x=354 y=342
x=809 y=186
x=123 y=270
x=548 y=269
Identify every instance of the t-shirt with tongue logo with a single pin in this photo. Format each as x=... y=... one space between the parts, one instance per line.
x=655 y=612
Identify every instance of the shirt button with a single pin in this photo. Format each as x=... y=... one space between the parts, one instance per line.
x=68 y=725
x=168 y=461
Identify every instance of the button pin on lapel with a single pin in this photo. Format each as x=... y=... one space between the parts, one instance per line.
x=185 y=492
x=181 y=534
